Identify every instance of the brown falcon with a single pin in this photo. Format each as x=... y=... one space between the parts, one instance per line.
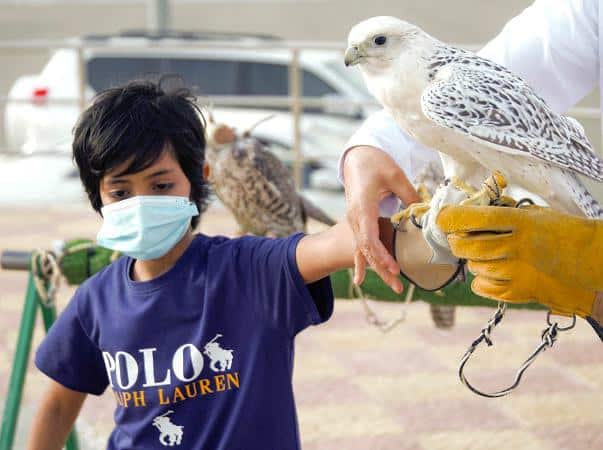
x=255 y=185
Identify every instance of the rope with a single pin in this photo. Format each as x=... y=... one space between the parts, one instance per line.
x=371 y=315
x=46 y=271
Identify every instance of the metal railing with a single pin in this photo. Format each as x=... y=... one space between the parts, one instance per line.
x=295 y=102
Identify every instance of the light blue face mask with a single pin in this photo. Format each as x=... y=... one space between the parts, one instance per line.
x=145 y=227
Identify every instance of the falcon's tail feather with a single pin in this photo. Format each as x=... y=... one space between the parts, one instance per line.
x=310 y=210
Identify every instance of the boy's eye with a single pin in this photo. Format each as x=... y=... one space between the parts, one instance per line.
x=119 y=195
x=161 y=187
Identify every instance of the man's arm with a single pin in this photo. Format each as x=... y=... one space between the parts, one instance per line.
x=55 y=418
x=554 y=46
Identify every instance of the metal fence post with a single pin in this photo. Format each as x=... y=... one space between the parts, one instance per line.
x=82 y=77
x=295 y=93
x=158 y=15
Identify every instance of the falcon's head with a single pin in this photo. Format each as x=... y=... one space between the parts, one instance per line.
x=379 y=42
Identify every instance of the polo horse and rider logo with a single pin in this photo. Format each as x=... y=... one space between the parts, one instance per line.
x=221 y=359
x=170 y=434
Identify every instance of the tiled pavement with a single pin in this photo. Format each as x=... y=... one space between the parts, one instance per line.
x=359 y=389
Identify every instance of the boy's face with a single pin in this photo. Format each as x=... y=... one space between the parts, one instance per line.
x=164 y=177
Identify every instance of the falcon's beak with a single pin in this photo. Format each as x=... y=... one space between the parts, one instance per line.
x=352 y=56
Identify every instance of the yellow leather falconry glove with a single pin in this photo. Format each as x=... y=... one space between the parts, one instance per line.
x=530 y=253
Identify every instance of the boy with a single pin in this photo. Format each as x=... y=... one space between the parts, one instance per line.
x=193 y=334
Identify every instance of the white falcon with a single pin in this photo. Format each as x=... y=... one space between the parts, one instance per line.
x=477 y=114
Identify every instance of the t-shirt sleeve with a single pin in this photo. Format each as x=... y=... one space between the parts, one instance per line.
x=69 y=357
x=277 y=287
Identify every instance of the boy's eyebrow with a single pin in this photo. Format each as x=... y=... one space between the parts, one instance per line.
x=116 y=180
x=159 y=173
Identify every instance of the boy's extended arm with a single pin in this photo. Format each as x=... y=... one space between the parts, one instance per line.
x=55 y=418
x=320 y=254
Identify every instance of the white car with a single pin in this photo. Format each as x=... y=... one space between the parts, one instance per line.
x=42 y=109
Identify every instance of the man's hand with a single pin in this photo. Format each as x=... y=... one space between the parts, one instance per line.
x=370 y=175
x=565 y=247
x=531 y=253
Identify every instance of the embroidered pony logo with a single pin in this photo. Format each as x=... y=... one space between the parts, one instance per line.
x=218 y=355
x=169 y=433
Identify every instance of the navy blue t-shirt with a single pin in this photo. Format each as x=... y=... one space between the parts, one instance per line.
x=200 y=357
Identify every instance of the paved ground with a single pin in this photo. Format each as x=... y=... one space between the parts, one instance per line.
x=358 y=389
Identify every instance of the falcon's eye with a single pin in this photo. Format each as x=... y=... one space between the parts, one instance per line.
x=380 y=40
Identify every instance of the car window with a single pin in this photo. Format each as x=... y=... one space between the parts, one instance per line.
x=106 y=72
x=315 y=87
x=209 y=77
x=264 y=79
x=273 y=79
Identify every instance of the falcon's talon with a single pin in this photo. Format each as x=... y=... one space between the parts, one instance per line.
x=417 y=210
x=505 y=200
x=480 y=198
x=491 y=192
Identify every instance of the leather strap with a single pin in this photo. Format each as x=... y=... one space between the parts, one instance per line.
x=414 y=254
x=596 y=318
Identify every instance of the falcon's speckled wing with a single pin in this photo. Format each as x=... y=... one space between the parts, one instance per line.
x=485 y=101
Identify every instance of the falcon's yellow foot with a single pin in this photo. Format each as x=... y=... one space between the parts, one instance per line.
x=480 y=198
x=416 y=209
x=505 y=200
x=424 y=193
x=491 y=192
x=463 y=186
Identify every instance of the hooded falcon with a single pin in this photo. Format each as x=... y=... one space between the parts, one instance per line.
x=255 y=185
x=480 y=116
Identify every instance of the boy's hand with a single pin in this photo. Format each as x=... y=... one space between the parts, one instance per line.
x=320 y=254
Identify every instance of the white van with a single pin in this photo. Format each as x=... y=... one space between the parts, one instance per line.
x=44 y=107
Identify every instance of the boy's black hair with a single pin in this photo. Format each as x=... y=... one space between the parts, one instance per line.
x=136 y=122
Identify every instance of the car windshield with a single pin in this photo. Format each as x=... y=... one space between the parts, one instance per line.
x=351 y=75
